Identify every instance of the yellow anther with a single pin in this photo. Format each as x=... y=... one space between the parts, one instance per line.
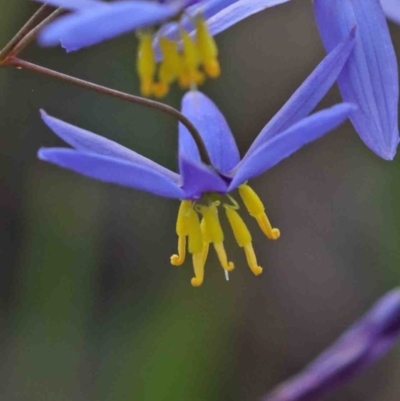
x=172 y=63
x=252 y=260
x=207 y=48
x=215 y=234
x=243 y=238
x=195 y=236
x=199 y=259
x=212 y=224
x=190 y=75
x=257 y=210
x=182 y=230
x=146 y=63
x=198 y=266
x=160 y=89
x=239 y=228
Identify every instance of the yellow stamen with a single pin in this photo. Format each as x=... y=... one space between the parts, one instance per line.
x=182 y=230
x=243 y=238
x=252 y=260
x=190 y=75
x=199 y=259
x=257 y=210
x=171 y=65
x=216 y=235
x=195 y=236
x=207 y=49
x=146 y=63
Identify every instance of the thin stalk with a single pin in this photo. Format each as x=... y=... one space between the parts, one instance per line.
x=18 y=63
x=39 y=14
x=31 y=35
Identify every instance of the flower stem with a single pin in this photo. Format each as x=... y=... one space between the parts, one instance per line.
x=32 y=33
x=18 y=63
x=30 y=24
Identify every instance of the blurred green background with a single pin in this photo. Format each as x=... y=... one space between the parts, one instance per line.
x=91 y=309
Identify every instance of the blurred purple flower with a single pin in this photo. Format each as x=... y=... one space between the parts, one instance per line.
x=360 y=346
x=370 y=78
x=203 y=188
x=176 y=33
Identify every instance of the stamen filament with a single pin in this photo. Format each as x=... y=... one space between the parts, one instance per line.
x=178 y=259
x=222 y=257
x=243 y=238
x=256 y=209
x=182 y=230
x=198 y=266
x=252 y=259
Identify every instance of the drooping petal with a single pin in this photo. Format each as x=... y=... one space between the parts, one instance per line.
x=354 y=351
x=113 y=170
x=81 y=139
x=278 y=148
x=213 y=128
x=391 y=8
x=94 y=25
x=370 y=78
x=73 y=4
x=199 y=179
x=309 y=94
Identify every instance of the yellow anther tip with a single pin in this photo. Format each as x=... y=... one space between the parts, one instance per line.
x=257 y=270
x=196 y=282
x=275 y=233
x=212 y=68
x=176 y=260
x=229 y=267
x=160 y=89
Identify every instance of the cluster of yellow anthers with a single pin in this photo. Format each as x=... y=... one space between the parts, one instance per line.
x=202 y=233
x=180 y=61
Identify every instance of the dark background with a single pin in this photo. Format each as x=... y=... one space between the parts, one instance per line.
x=91 y=309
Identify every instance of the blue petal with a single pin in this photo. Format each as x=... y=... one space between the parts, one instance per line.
x=81 y=139
x=237 y=12
x=309 y=94
x=370 y=78
x=116 y=171
x=73 y=4
x=295 y=137
x=391 y=8
x=214 y=130
x=92 y=26
x=220 y=15
x=355 y=350
x=199 y=179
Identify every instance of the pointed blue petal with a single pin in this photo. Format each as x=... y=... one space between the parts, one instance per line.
x=213 y=128
x=92 y=26
x=309 y=94
x=391 y=8
x=113 y=170
x=81 y=139
x=199 y=179
x=73 y=4
x=237 y=12
x=295 y=137
x=354 y=351
x=370 y=78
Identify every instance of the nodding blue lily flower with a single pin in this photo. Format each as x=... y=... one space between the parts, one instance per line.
x=370 y=78
x=203 y=188
x=391 y=8
x=360 y=346
x=175 y=36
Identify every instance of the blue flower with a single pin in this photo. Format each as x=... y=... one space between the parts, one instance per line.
x=370 y=78
x=168 y=50
x=204 y=188
x=360 y=346
x=391 y=8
